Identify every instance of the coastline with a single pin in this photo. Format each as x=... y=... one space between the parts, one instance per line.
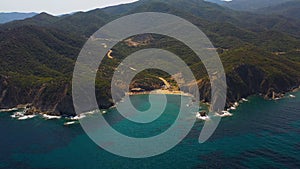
x=29 y=109
x=160 y=92
x=21 y=113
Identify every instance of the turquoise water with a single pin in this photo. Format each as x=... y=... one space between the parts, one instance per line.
x=261 y=134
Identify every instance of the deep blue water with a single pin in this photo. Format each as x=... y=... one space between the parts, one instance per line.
x=261 y=134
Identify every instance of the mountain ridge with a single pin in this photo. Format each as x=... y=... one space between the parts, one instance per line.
x=12 y=16
x=288 y=9
x=246 y=5
x=45 y=49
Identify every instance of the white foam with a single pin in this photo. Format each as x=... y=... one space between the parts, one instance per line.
x=26 y=117
x=224 y=114
x=17 y=115
x=90 y=112
x=49 y=117
x=245 y=100
x=292 y=96
x=205 y=118
x=78 y=117
x=69 y=123
x=8 y=110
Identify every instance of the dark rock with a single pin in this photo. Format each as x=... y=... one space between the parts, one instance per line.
x=203 y=113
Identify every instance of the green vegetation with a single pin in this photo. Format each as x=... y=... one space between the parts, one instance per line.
x=260 y=53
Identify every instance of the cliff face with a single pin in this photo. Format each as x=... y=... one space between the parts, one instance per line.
x=253 y=80
x=12 y=96
x=49 y=98
x=43 y=99
x=246 y=80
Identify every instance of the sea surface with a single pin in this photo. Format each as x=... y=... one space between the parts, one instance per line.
x=260 y=134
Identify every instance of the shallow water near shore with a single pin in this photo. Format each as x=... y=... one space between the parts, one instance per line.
x=260 y=134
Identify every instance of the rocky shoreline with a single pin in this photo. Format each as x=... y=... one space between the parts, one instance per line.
x=29 y=109
x=61 y=104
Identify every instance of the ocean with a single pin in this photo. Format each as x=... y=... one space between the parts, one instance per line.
x=260 y=134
